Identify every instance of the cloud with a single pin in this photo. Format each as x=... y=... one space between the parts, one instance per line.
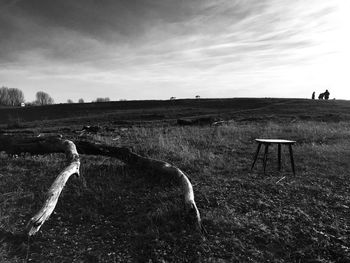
x=146 y=43
x=89 y=30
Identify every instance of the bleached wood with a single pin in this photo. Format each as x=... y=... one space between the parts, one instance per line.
x=56 y=188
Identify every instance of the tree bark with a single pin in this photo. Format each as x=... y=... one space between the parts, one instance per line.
x=53 y=144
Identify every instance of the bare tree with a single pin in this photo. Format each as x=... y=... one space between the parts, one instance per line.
x=19 y=97
x=42 y=98
x=3 y=96
x=11 y=96
x=102 y=99
x=15 y=97
x=80 y=101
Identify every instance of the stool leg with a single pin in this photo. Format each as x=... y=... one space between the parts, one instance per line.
x=265 y=156
x=256 y=155
x=279 y=157
x=291 y=158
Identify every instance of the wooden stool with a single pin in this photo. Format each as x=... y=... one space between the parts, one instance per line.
x=267 y=143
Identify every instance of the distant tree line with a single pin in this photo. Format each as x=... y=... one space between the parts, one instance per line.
x=102 y=99
x=15 y=97
x=69 y=101
x=11 y=96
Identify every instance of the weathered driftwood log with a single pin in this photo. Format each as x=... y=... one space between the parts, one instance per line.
x=45 y=145
x=42 y=145
x=56 y=188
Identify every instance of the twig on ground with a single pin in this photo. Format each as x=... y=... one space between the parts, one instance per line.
x=282 y=178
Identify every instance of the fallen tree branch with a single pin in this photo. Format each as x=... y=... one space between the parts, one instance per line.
x=42 y=145
x=56 y=188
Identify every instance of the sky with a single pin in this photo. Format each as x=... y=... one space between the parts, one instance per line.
x=156 y=49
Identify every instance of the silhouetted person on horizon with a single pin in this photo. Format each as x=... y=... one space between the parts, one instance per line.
x=326 y=94
x=320 y=97
x=313 y=96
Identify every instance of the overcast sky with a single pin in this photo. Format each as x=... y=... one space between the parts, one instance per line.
x=155 y=49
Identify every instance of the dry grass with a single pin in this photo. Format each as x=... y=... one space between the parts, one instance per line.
x=122 y=215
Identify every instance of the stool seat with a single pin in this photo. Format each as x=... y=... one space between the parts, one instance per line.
x=279 y=142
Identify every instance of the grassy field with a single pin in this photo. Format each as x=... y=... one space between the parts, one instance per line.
x=118 y=214
x=124 y=112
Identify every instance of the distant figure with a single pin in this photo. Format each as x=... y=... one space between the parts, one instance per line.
x=326 y=94
x=313 y=96
x=320 y=97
